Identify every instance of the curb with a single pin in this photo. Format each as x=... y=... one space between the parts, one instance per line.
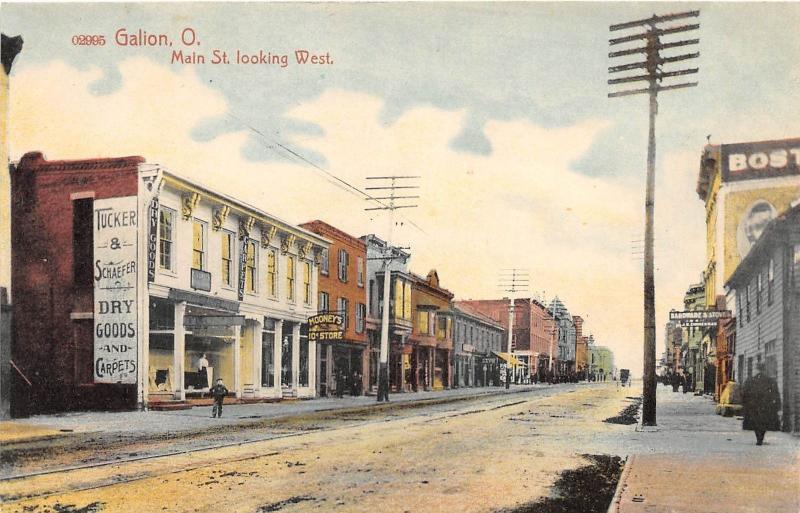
x=621 y=485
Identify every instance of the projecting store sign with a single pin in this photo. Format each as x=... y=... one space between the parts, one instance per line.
x=747 y=161
x=324 y=327
x=115 y=278
x=699 y=318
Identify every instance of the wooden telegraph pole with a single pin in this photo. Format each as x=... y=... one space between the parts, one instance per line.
x=654 y=75
x=389 y=184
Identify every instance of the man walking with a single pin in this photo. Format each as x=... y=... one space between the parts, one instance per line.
x=761 y=401
x=218 y=392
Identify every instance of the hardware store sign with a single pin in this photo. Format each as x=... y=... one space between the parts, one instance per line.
x=115 y=279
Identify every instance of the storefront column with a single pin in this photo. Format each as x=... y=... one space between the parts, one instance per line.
x=312 y=366
x=295 y=355
x=257 y=356
x=449 y=369
x=237 y=360
x=277 y=350
x=179 y=350
x=365 y=369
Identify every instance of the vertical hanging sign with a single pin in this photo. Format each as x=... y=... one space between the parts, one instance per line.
x=242 y=266
x=115 y=279
x=152 y=240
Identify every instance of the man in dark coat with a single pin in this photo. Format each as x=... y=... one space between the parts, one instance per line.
x=761 y=401
x=218 y=392
x=675 y=381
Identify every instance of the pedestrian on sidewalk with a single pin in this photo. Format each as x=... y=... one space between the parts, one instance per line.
x=675 y=381
x=761 y=401
x=218 y=392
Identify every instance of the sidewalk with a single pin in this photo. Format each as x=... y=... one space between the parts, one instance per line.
x=696 y=461
x=199 y=418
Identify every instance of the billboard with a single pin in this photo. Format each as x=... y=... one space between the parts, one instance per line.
x=764 y=159
x=747 y=213
x=115 y=288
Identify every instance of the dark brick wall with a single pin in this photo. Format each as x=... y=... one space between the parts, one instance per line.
x=48 y=346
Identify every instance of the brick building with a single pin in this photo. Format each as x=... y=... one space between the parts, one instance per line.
x=138 y=286
x=343 y=290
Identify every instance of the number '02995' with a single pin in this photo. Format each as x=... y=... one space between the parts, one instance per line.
x=88 y=40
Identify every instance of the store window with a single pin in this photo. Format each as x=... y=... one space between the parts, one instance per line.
x=227 y=258
x=290 y=278
x=250 y=275
x=166 y=235
x=302 y=378
x=198 y=245
x=272 y=273
x=268 y=353
x=306 y=283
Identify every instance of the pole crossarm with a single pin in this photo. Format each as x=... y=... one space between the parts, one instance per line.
x=660 y=46
x=654 y=19
x=653 y=32
x=643 y=64
x=653 y=76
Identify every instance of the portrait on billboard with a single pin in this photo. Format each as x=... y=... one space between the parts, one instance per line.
x=751 y=226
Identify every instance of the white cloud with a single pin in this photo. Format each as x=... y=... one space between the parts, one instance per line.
x=521 y=206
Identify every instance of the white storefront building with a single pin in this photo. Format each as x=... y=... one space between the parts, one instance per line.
x=229 y=289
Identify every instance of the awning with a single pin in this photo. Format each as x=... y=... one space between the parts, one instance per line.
x=509 y=358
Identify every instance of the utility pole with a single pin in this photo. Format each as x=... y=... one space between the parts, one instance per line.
x=512 y=281
x=555 y=332
x=654 y=76
x=389 y=183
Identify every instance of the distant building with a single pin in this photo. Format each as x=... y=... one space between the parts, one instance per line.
x=477 y=341
x=581 y=346
x=766 y=285
x=533 y=335
x=601 y=362
x=694 y=350
x=565 y=357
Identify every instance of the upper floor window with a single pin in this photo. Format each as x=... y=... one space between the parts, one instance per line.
x=227 y=257
x=342 y=305
x=166 y=237
x=324 y=302
x=290 y=278
x=747 y=302
x=422 y=322
x=324 y=264
x=272 y=273
x=361 y=313
x=770 y=280
x=441 y=326
x=82 y=242
x=307 y=283
x=360 y=271
x=759 y=287
x=198 y=244
x=343 y=263
x=250 y=276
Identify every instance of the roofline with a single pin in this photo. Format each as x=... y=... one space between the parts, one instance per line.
x=243 y=207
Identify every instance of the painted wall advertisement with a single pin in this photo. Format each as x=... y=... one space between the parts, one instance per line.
x=115 y=279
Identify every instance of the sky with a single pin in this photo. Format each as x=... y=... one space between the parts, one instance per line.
x=501 y=109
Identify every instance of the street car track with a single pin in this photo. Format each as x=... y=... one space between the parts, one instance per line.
x=424 y=417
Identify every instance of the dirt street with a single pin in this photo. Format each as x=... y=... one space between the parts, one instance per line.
x=481 y=455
